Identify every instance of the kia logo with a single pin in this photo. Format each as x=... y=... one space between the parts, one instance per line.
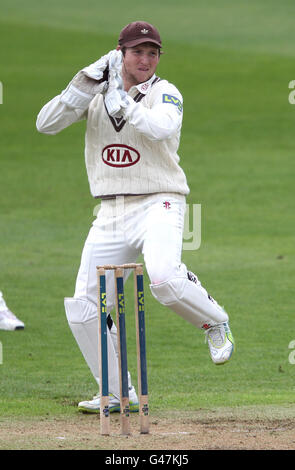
x=119 y=155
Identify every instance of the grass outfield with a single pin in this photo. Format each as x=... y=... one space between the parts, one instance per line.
x=233 y=66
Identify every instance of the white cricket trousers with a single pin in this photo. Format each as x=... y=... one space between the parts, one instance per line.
x=126 y=227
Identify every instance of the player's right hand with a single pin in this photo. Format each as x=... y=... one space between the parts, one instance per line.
x=88 y=85
x=93 y=79
x=99 y=67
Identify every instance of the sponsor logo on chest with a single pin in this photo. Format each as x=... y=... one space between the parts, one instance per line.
x=119 y=155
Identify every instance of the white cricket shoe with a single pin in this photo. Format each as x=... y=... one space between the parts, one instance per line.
x=221 y=343
x=93 y=406
x=8 y=321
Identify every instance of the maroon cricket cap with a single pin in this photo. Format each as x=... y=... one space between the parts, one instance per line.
x=138 y=32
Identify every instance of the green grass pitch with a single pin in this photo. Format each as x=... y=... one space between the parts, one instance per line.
x=233 y=62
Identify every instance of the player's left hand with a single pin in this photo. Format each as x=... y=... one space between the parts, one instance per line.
x=115 y=97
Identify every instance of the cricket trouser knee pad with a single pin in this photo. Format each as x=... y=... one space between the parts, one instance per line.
x=189 y=300
x=83 y=321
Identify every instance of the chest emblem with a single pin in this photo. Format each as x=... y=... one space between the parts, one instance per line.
x=119 y=155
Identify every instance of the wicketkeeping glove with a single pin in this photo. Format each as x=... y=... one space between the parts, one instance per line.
x=87 y=83
x=90 y=78
x=115 y=97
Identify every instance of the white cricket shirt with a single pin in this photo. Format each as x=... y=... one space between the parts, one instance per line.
x=135 y=154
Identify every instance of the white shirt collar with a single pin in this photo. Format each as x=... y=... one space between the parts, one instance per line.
x=145 y=86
